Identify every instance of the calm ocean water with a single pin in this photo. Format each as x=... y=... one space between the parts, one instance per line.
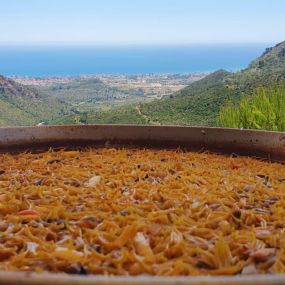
x=51 y=60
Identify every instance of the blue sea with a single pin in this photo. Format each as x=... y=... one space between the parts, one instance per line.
x=78 y=60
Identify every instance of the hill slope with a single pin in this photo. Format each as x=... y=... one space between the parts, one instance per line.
x=21 y=106
x=200 y=102
x=267 y=69
x=197 y=104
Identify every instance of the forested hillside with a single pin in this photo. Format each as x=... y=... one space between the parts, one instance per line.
x=80 y=101
x=201 y=102
x=20 y=105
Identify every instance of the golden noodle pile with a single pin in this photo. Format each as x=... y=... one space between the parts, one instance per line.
x=157 y=212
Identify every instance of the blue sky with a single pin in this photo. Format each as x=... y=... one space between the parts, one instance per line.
x=141 y=21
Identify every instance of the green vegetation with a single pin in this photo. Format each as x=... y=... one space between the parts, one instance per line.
x=85 y=94
x=10 y=115
x=197 y=104
x=200 y=103
x=114 y=116
x=21 y=105
x=91 y=101
x=265 y=110
x=66 y=103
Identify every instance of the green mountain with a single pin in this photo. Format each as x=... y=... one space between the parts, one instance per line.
x=200 y=102
x=20 y=105
x=197 y=104
x=266 y=69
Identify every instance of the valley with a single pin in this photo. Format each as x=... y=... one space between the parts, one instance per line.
x=176 y=99
x=72 y=98
x=201 y=102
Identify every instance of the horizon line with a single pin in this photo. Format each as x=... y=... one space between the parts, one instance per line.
x=63 y=44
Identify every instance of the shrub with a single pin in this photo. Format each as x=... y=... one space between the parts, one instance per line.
x=264 y=110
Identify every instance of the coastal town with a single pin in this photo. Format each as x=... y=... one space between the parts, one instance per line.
x=150 y=85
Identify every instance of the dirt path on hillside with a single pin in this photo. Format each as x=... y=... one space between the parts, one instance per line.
x=148 y=119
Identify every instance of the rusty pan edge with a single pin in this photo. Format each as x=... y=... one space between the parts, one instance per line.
x=250 y=142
